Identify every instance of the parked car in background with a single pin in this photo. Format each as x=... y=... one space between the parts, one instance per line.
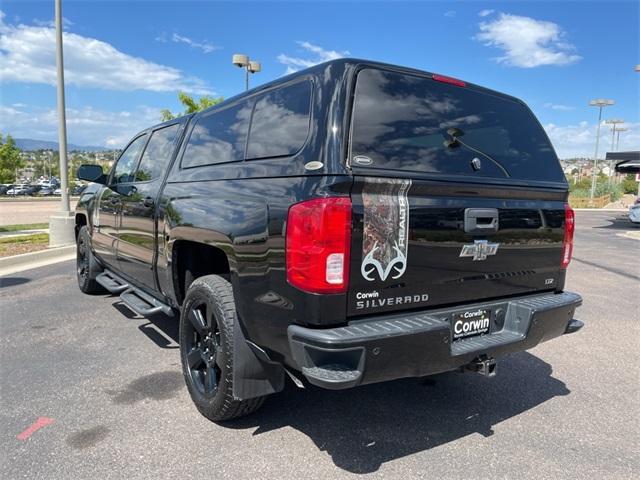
x=46 y=192
x=20 y=189
x=634 y=211
x=57 y=191
x=5 y=188
x=33 y=189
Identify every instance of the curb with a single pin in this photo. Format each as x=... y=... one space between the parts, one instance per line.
x=601 y=209
x=26 y=261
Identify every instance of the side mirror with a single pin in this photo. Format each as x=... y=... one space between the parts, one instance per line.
x=92 y=173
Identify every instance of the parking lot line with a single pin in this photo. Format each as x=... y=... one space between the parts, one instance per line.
x=34 y=427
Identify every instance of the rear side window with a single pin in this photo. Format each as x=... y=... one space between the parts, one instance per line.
x=157 y=154
x=219 y=136
x=406 y=122
x=280 y=122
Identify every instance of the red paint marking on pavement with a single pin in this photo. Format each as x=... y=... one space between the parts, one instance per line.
x=34 y=427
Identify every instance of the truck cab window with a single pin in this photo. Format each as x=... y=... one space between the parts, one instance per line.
x=157 y=154
x=123 y=172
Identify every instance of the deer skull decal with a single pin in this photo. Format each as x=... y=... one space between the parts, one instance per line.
x=370 y=264
x=385 y=228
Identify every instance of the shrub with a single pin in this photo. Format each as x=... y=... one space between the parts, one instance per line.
x=629 y=184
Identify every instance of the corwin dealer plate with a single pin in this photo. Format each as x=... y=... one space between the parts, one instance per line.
x=470 y=323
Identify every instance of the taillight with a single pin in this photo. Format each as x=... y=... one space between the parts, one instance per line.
x=318 y=241
x=567 y=242
x=452 y=81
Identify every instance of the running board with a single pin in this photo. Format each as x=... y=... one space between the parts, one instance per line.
x=144 y=304
x=113 y=283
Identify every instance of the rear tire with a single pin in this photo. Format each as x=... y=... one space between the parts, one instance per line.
x=207 y=323
x=87 y=267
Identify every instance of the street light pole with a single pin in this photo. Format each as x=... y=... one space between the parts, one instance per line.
x=600 y=103
x=62 y=121
x=249 y=66
x=61 y=226
x=613 y=122
x=621 y=129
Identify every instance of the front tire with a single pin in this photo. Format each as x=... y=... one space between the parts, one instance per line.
x=207 y=323
x=87 y=267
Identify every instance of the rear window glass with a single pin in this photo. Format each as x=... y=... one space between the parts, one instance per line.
x=280 y=122
x=219 y=136
x=407 y=122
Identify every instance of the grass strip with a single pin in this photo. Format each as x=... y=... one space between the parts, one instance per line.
x=23 y=226
x=31 y=239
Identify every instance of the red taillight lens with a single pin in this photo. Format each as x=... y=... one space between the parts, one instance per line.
x=452 y=81
x=318 y=242
x=567 y=242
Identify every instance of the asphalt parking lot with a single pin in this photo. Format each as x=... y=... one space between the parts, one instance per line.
x=110 y=385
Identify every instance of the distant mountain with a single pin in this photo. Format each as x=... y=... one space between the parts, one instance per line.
x=30 y=144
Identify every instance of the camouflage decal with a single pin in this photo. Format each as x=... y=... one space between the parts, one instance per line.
x=386 y=228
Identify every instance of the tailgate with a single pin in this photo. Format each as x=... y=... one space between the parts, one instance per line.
x=418 y=244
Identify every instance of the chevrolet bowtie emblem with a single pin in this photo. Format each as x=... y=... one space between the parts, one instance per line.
x=479 y=249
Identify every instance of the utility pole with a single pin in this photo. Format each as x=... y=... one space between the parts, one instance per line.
x=600 y=103
x=61 y=226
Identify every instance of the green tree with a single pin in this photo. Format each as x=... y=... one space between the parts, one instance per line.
x=191 y=105
x=10 y=160
x=629 y=184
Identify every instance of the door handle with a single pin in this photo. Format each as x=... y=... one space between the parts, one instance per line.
x=148 y=202
x=481 y=220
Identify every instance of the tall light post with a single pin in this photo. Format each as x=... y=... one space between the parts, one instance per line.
x=249 y=66
x=613 y=122
x=600 y=103
x=621 y=129
x=61 y=225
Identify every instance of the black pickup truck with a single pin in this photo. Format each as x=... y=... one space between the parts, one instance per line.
x=352 y=223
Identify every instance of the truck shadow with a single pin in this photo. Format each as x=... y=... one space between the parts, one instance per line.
x=618 y=221
x=159 y=328
x=363 y=428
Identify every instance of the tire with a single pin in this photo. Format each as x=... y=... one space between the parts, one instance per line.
x=87 y=267
x=207 y=322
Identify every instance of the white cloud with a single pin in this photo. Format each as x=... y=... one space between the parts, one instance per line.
x=485 y=13
x=51 y=23
x=450 y=13
x=319 y=55
x=558 y=107
x=85 y=126
x=527 y=42
x=27 y=55
x=205 y=46
x=579 y=140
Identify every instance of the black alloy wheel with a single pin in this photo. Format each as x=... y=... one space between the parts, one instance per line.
x=204 y=348
x=82 y=260
x=87 y=267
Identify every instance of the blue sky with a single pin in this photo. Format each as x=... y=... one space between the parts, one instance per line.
x=125 y=60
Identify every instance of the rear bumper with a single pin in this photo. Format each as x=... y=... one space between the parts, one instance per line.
x=418 y=344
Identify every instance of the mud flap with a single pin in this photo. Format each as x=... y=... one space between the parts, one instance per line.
x=254 y=374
